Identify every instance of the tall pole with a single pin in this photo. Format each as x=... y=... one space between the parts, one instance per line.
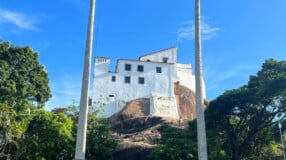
x=281 y=135
x=83 y=112
x=201 y=129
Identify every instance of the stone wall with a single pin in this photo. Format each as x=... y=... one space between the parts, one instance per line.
x=163 y=106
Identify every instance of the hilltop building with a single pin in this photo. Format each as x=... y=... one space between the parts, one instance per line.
x=152 y=76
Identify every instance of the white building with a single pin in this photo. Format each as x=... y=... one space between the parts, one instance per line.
x=151 y=76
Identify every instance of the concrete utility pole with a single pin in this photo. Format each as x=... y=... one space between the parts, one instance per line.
x=83 y=112
x=201 y=129
x=281 y=136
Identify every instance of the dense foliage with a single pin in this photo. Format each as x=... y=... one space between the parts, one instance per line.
x=100 y=144
x=48 y=136
x=22 y=77
x=241 y=123
x=176 y=144
x=28 y=132
x=245 y=115
x=22 y=80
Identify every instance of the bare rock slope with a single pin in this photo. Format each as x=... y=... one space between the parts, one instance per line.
x=138 y=132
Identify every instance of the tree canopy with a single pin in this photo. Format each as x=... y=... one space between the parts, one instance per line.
x=100 y=143
x=26 y=130
x=244 y=116
x=48 y=136
x=22 y=77
x=177 y=144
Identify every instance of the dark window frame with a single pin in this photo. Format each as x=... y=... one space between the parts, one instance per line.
x=113 y=78
x=127 y=79
x=140 y=68
x=158 y=69
x=128 y=67
x=141 y=80
x=165 y=59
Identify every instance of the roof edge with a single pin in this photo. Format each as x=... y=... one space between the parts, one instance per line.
x=156 y=52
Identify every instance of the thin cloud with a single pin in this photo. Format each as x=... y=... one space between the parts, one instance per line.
x=187 y=31
x=237 y=71
x=21 y=20
x=65 y=91
x=219 y=79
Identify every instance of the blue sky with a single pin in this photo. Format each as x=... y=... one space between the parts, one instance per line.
x=238 y=36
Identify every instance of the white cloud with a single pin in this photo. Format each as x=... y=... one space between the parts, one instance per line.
x=19 y=19
x=187 y=31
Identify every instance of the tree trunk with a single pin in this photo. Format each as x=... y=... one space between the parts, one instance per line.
x=82 y=122
x=202 y=144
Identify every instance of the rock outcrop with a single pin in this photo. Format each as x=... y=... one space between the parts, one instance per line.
x=138 y=132
x=186 y=102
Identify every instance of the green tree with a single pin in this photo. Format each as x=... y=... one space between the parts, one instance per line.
x=48 y=136
x=241 y=123
x=177 y=144
x=12 y=126
x=100 y=143
x=182 y=144
x=267 y=145
x=22 y=77
x=243 y=116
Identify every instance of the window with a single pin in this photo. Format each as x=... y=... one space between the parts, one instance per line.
x=113 y=78
x=111 y=95
x=127 y=79
x=158 y=70
x=140 y=68
x=141 y=80
x=165 y=59
x=127 y=67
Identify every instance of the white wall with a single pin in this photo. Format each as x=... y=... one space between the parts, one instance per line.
x=185 y=76
x=158 y=87
x=159 y=83
x=101 y=65
x=171 y=53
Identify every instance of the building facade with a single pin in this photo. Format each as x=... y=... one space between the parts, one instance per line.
x=151 y=76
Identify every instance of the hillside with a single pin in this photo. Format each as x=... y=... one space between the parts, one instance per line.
x=138 y=131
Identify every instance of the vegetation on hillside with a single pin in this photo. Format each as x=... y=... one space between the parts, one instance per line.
x=241 y=123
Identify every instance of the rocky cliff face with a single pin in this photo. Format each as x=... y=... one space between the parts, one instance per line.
x=138 y=132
